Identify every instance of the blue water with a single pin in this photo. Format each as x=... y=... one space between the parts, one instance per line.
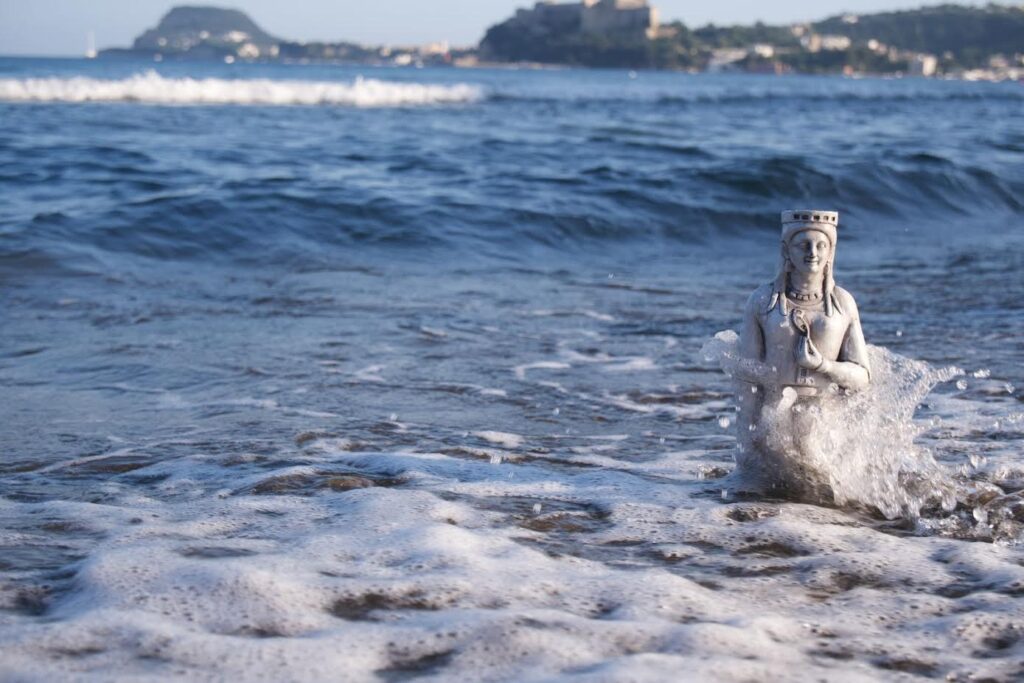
x=480 y=297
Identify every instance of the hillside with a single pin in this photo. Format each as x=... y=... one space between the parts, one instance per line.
x=938 y=39
x=213 y=33
x=970 y=34
x=205 y=31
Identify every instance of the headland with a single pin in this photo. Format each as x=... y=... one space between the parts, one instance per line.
x=951 y=41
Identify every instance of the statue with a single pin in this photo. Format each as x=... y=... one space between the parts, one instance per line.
x=800 y=346
x=823 y=417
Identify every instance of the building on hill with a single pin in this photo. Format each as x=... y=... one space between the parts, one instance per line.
x=632 y=18
x=601 y=33
x=624 y=19
x=552 y=16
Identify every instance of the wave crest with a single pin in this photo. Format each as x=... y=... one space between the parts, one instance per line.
x=152 y=88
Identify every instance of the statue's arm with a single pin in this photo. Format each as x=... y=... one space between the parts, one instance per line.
x=749 y=368
x=851 y=370
x=749 y=371
x=751 y=334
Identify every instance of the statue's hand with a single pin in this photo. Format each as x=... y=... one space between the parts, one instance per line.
x=807 y=355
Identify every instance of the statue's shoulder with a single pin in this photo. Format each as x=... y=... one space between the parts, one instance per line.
x=846 y=301
x=759 y=299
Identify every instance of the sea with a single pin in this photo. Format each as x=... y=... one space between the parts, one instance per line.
x=317 y=372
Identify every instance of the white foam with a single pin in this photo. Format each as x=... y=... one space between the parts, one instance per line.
x=682 y=412
x=597 y=315
x=371 y=373
x=152 y=88
x=521 y=370
x=501 y=438
x=633 y=365
x=370 y=581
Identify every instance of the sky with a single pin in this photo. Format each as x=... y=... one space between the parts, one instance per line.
x=60 y=27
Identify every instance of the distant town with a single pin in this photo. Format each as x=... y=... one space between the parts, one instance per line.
x=949 y=41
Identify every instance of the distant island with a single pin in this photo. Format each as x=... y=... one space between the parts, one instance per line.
x=946 y=40
x=205 y=33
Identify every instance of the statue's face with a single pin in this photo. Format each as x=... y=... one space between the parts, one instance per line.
x=809 y=251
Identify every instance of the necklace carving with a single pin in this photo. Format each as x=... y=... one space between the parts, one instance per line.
x=803 y=296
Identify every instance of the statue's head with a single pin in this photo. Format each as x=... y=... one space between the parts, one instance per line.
x=808 y=251
x=808 y=246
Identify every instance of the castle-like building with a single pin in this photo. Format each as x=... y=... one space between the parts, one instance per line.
x=611 y=18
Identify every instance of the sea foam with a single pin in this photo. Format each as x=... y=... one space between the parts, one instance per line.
x=152 y=88
x=861 y=448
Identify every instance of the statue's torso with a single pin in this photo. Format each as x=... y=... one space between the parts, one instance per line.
x=782 y=334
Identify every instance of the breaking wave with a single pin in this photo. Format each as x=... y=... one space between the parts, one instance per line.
x=492 y=164
x=152 y=88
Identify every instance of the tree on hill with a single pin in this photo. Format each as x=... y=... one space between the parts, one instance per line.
x=714 y=37
x=513 y=42
x=970 y=34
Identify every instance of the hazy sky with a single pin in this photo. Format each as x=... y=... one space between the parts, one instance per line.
x=59 y=27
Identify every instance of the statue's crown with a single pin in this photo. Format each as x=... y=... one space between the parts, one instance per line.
x=811 y=216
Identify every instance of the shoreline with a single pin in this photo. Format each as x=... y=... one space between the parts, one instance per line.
x=971 y=76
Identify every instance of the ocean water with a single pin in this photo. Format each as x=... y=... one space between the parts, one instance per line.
x=323 y=373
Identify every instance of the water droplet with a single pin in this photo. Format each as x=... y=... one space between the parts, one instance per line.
x=556 y=411
x=753 y=389
x=981 y=514
x=536 y=508
x=724 y=422
x=1009 y=388
x=393 y=417
x=961 y=384
x=899 y=333
x=661 y=440
x=725 y=494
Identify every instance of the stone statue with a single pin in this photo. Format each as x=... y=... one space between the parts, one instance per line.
x=801 y=344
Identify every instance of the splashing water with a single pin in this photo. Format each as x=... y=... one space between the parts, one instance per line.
x=846 y=449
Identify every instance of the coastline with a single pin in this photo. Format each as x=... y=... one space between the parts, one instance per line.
x=977 y=75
